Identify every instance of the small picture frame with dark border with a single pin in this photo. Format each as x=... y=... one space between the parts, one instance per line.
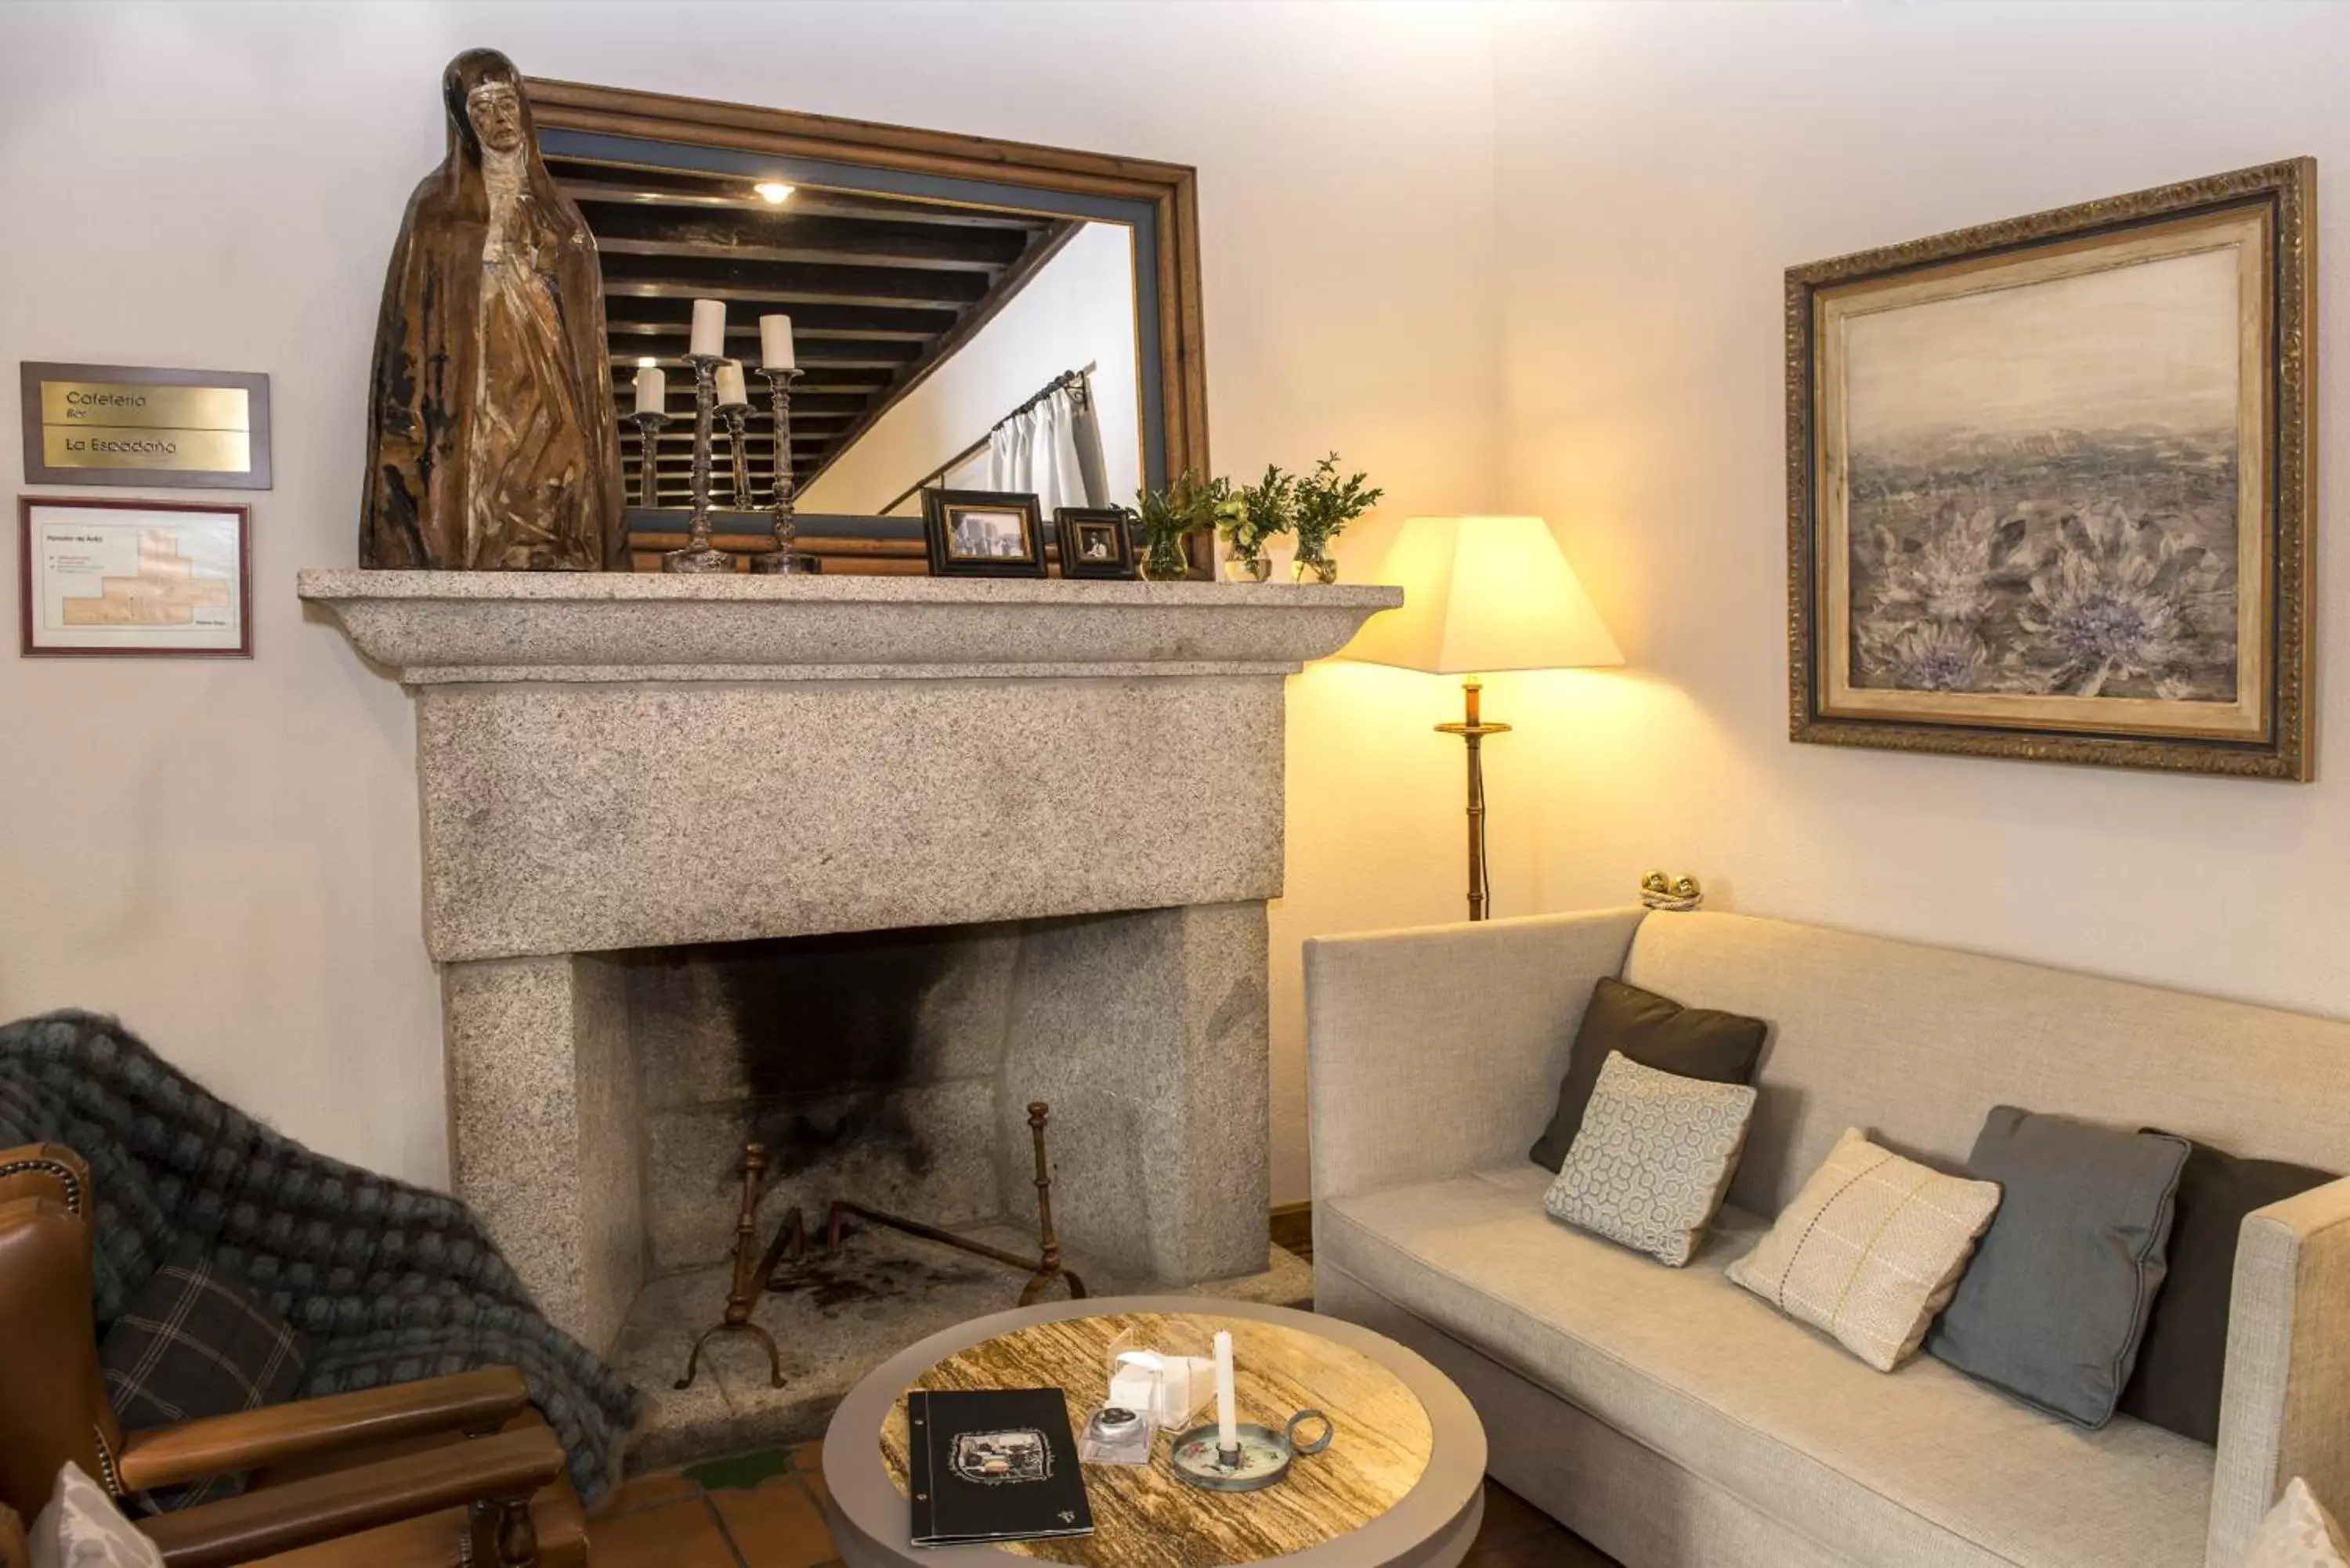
x=982 y=534
x=1095 y=543
x=132 y=578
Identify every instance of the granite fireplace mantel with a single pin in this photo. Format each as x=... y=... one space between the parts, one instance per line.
x=454 y=627
x=623 y=760
x=613 y=762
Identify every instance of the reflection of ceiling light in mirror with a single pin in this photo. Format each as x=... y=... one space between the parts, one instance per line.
x=775 y=192
x=646 y=363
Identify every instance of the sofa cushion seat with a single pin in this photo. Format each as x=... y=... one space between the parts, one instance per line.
x=1918 y=1467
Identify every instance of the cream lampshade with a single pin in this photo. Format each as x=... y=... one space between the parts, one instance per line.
x=1482 y=594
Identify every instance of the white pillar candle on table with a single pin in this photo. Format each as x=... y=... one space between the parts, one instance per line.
x=776 y=343
x=730 y=383
x=1228 y=1430
x=709 y=328
x=652 y=391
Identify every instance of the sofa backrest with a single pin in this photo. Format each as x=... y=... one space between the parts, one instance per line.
x=1914 y=1045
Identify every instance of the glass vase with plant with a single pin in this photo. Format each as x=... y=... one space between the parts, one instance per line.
x=1324 y=506
x=1168 y=517
x=1261 y=511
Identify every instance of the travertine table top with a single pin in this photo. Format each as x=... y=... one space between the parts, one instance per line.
x=1399 y=1483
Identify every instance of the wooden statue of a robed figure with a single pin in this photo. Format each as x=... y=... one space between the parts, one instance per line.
x=493 y=444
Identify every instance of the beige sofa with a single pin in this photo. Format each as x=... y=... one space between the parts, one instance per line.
x=1672 y=1417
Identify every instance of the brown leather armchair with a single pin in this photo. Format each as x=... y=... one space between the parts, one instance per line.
x=436 y=1472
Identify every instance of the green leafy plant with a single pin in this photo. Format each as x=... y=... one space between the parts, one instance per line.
x=1325 y=504
x=1168 y=517
x=1259 y=513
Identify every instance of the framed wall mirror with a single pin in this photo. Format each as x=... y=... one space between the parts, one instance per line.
x=966 y=313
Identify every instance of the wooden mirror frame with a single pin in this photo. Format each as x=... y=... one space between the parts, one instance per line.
x=1169 y=189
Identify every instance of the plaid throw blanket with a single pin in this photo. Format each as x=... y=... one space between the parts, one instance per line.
x=386 y=1282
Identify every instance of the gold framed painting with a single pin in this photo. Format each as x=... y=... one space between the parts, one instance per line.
x=2049 y=485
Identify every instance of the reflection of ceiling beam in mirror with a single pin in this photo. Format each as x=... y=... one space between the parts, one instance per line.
x=634 y=185
x=879 y=289
x=765 y=236
x=871 y=289
x=1010 y=284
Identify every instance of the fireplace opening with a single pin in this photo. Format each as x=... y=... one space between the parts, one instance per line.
x=870 y=1065
x=894 y=1071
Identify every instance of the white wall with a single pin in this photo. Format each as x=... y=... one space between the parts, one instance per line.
x=226 y=853
x=1077 y=310
x=1660 y=166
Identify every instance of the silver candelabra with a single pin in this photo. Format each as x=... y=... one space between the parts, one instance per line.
x=699 y=555
x=649 y=425
x=786 y=558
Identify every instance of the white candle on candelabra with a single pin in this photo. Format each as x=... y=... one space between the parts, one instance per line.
x=1228 y=1430
x=776 y=343
x=709 y=328
x=730 y=384
x=652 y=391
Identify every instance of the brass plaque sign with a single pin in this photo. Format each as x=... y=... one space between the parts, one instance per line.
x=124 y=424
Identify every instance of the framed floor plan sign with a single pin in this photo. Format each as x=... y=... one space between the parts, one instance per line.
x=134 y=577
x=2049 y=485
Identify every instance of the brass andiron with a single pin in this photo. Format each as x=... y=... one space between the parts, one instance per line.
x=786 y=558
x=699 y=555
x=1044 y=1269
x=1474 y=730
x=749 y=1279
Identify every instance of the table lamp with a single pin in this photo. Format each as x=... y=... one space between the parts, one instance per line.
x=1482 y=594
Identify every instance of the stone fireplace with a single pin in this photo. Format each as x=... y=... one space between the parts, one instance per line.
x=895 y=1068
x=859 y=865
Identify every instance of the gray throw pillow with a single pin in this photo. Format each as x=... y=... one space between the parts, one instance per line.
x=2055 y=1303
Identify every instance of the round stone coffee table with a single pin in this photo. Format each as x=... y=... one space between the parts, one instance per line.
x=1401 y=1486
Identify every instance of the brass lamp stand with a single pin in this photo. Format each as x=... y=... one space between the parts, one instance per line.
x=1473 y=730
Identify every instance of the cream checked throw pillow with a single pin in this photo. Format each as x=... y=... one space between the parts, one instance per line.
x=2297 y=1533
x=1871 y=1249
x=1653 y=1158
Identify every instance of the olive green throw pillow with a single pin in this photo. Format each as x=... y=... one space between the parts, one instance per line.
x=1654 y=1031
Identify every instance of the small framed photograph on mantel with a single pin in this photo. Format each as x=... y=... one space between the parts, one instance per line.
x=982 y=534
x=1095 y=543
x=134 y=577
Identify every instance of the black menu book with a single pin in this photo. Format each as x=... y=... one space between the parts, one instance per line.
x=993 y=1464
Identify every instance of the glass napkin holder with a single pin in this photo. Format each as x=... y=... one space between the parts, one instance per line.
x=1166 y=1374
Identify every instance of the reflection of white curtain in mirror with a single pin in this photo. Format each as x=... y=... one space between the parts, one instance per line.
x=1052 y=450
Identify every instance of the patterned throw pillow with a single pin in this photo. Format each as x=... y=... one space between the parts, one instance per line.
x=1870 y=1250
x=1653 y=1158
x=2297 y=1533
x=196 y=1342
x=81 y=1528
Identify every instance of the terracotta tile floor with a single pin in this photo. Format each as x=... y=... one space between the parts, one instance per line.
x=764 y=1511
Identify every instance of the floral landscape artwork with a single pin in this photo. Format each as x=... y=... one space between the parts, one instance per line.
x=2043 y=488
x=2051 y=500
